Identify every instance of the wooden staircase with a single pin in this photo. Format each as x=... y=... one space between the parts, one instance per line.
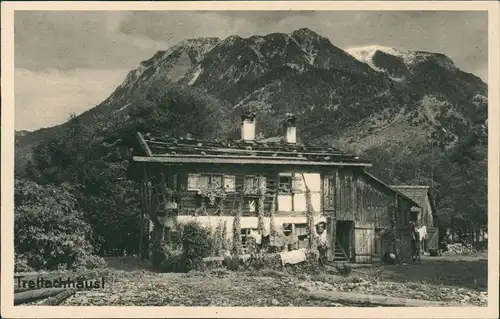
x=340 y=254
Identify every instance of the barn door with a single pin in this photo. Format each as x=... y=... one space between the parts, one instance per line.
x=432 y=238
x=364 y=242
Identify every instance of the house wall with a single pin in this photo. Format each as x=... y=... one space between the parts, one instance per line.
x=190 y=201
x=342 y=194
x=353 y=195
x=421 y=196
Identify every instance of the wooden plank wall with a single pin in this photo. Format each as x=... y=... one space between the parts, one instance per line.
x=352 y=195
x=357 y=197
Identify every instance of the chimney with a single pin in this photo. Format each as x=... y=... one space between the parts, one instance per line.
x=290 y=129
x=248 y=126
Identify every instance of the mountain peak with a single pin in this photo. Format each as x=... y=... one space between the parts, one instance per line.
x=199 y=41
x=371 y=53
x=305 y=32
x=365 y=52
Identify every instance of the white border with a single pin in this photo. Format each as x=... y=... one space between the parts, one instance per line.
x=7 y=83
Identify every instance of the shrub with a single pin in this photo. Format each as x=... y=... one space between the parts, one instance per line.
x=21 y=264
x=196 y=244
x=172 y=261
x=264 y=261
x=50 y=232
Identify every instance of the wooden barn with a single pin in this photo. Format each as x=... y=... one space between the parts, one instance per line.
x=186 y=179
x=426 y=217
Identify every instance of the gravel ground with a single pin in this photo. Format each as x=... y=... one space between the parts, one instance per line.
x=431 y=279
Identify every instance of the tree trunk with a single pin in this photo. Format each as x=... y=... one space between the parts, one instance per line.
x=59 y=298
x=32 y=295
x=355 y=298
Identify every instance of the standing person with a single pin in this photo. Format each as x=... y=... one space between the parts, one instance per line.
x=415 y=242
x=322 y=240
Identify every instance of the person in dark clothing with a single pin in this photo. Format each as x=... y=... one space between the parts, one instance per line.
x=415 y=243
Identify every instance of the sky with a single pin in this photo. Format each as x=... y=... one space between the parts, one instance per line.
x=70 y=61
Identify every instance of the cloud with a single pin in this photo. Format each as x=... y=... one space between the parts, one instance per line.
x=69 y=61
x=433 y=31
x=175 y=26
x=109 y=40
x=75 y=39
x=48 y=98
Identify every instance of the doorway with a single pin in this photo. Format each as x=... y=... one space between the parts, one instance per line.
x=344 y=237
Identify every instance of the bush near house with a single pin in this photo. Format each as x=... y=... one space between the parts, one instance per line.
x=196 y=244
x=188 y=245
x=50 y=232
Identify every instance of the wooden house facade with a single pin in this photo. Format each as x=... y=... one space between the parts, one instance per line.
x=186 y=179
x=426 y=215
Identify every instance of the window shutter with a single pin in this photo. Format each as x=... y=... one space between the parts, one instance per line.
x=193 y=181
x=204 y=181
x=262 y=184
x=297 y=183
x=248 y=184
x=230 y=183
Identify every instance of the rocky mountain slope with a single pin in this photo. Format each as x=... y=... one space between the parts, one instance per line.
x=359 y=99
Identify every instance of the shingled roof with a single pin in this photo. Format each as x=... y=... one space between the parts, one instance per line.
x=266 y=151
x=419 y=193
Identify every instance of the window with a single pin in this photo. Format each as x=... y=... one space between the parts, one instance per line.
x=287 y=229
x=254 y=184
x=198 y=181
x=285 y=183
x=245 y=233
x=301 y=229
x=301 y=233
x=215 y=181
x=291 y=191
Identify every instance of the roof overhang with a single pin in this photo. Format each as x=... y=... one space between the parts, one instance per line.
x=249 y=160
x=410 y=186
